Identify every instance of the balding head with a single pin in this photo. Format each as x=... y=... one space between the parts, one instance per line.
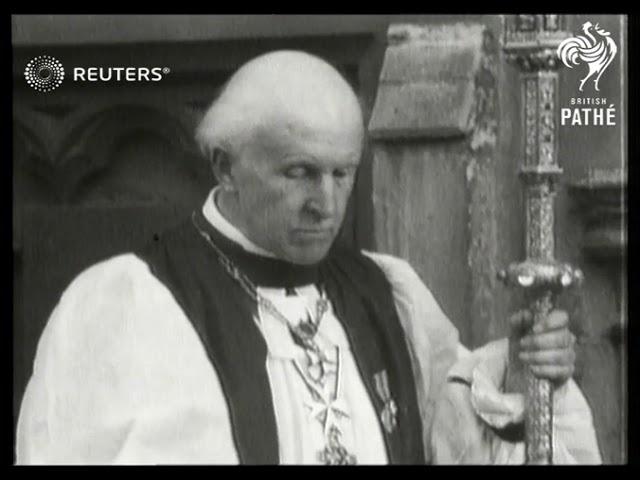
x=286 y=89
x=285 y=139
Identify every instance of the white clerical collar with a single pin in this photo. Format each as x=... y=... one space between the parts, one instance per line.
x=214 y=217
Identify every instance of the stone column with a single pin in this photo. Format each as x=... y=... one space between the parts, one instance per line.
x=433 y=130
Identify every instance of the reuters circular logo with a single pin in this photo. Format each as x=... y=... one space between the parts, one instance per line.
x=44 y=73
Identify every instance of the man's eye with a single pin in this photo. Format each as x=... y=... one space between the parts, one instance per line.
x=343 y=172
x=296 y=172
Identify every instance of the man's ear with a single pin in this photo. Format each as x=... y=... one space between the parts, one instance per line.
x=221 y=166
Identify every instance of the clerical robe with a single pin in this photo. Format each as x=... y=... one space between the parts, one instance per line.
x=152 y=357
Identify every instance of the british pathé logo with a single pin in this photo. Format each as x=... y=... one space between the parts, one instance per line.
x=44 y=73
x=590 y=111
x=596 y=49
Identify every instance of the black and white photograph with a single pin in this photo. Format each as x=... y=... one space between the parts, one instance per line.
x=320 y=239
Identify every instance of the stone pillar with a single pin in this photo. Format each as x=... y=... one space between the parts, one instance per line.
x=433 y=130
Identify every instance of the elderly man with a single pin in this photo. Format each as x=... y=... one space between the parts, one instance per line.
x=245 y=335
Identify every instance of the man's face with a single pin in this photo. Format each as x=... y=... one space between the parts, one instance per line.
x=293 y=185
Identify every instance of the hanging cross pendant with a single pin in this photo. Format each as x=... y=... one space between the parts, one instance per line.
x=335 y=453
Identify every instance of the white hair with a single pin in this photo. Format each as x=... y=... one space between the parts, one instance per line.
x=227 y=124
x=279 y=83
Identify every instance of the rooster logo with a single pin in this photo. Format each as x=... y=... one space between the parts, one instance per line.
x=596 y=51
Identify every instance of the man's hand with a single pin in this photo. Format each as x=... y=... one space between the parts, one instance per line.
x=547 y=348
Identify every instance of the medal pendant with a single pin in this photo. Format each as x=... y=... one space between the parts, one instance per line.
x=335 y=453
x=389 y=413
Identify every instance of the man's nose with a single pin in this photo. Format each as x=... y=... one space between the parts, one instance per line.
x=322 y=203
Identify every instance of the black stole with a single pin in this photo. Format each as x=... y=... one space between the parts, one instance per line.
x=222 y=314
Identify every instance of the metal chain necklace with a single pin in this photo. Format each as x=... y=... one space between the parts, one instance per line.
x=304 y=332
x=327 y=408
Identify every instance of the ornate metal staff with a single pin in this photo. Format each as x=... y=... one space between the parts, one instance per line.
x=531 y=42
